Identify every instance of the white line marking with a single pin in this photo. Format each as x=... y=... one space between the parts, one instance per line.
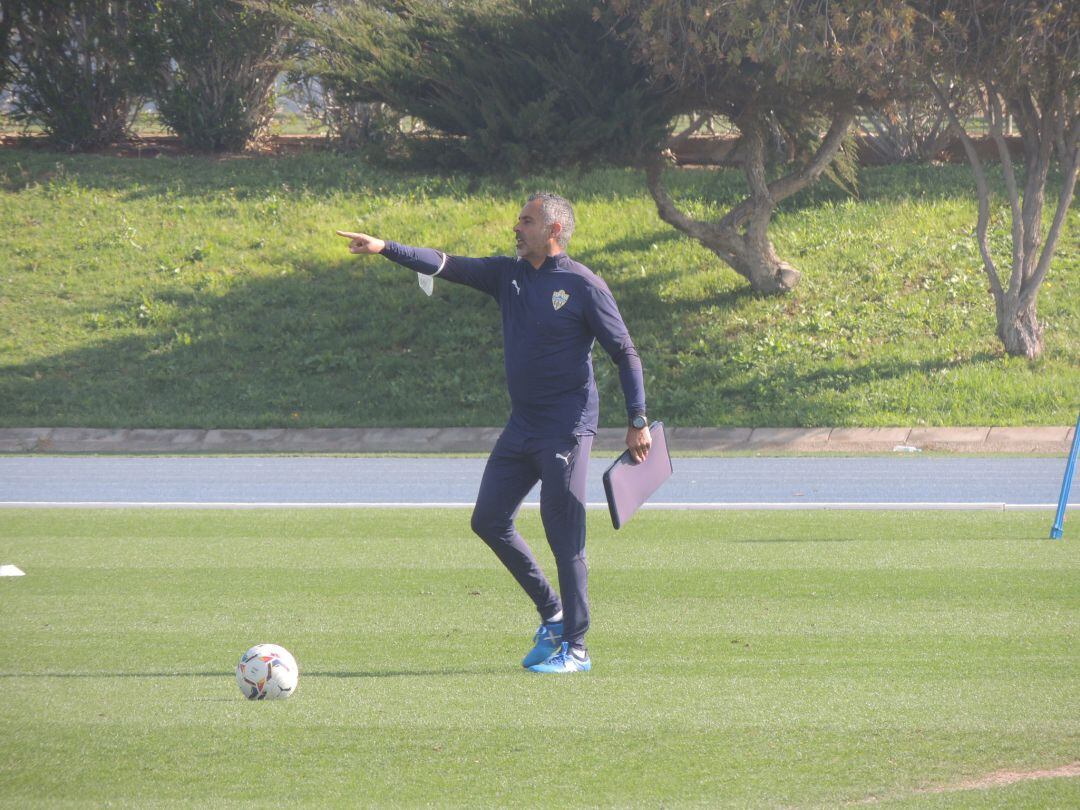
x=669 y=506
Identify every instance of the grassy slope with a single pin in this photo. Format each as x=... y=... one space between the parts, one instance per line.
x=195 y=292
x=742 y=659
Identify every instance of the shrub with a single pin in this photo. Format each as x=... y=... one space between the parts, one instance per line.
x=352 y=124
x=212 y=69
x=74 y=68
x=518 y=83
x=8 y=9
x=913 y=130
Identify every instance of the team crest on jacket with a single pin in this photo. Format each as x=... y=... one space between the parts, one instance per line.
x=559 y=297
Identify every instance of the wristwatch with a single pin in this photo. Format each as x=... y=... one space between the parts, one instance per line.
x=639 y=421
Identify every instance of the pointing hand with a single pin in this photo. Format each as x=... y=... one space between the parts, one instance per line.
x=363 y=244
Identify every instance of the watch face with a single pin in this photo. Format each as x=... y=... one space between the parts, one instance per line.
x=639 y=422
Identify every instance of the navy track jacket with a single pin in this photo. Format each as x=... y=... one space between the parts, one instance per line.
x=550 y=317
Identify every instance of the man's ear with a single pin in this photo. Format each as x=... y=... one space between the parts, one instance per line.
x=556 y=229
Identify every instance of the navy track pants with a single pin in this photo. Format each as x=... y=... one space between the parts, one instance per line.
x=514 y=467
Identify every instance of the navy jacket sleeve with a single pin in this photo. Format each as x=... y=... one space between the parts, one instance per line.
x=607 y=325
x=480 y=274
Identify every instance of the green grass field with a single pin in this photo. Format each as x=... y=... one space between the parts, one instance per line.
x=740 y=659
x=205 y=292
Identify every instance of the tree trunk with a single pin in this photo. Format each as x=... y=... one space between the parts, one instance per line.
x=1019 y=329
x=741 y=237
x=766 y=272
x=754 y=258
x=749 y=253
x=757 y=263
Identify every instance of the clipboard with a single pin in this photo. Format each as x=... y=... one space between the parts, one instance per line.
x=628 y=484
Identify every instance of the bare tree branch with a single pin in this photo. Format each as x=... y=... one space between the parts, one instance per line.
x=666 y=207
x=1070 y=167
x=784 y=187
x=994 y=115
x=982 y=188
x=679 y=140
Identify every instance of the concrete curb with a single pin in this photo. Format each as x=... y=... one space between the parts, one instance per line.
x=1044 y=440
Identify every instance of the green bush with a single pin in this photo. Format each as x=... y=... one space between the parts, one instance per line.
x=75 y=70
x=512 y=82
x=213 y=68
x=8 y=9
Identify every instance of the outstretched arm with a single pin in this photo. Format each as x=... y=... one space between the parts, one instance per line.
x=481 y=274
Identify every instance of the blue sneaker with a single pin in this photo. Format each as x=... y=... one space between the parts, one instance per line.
x=564 y=661
x=545 y=644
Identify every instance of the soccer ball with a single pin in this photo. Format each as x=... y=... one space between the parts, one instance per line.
x=267 y=672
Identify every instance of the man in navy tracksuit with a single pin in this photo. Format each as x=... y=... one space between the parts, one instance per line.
x=552 y=310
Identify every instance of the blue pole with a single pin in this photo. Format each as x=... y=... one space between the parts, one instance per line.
x=1066 y=485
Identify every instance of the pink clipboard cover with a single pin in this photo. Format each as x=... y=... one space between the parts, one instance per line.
x=629 y=484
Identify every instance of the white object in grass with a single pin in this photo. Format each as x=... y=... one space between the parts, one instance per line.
x=267 y=672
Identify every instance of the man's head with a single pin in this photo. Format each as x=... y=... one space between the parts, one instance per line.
x=544 y=227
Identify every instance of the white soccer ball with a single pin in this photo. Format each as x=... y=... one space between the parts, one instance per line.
x=267 y=672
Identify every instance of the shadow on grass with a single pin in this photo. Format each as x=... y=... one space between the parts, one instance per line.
x=323 y=346
x=115 y=674
x=800 y=540
x=375 y=673
x=596 y=258
x=420 y=673
x=312 y=348
x=327 y=172
x=316 y=173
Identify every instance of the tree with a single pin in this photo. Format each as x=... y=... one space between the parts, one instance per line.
x=1020 y=59
x=75 y=68
x=798 y=69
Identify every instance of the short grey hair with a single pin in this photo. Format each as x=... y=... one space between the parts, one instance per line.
x=556 y=209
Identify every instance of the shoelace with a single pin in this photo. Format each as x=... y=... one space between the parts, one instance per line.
x=559 y=659
x=565 y=656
